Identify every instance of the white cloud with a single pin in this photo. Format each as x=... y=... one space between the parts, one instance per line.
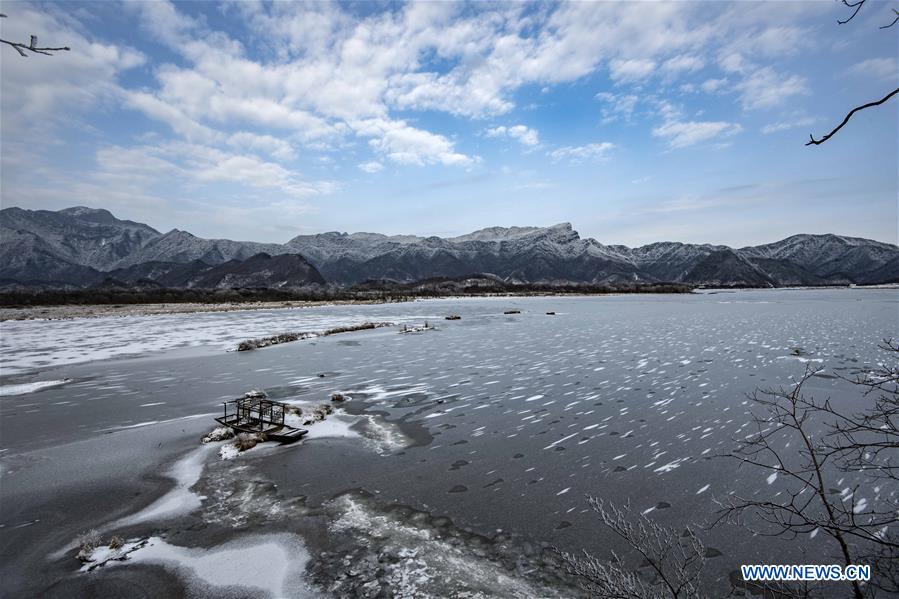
x=404 y=144
x=733 y=62
x=371 y=167
x=800 y=121
x=761 y=86
x=681 y=134
x=273 y=146
x=764 y=87
x=326 y=68
x=683 y=63
x=769 y=40
x=711 y=86
x=877 y=68
x=166 y=164
x=595 y=151
x=633 y=69
x=620 y=106
x=180 y=123
x=667 y=110
x=523 y=134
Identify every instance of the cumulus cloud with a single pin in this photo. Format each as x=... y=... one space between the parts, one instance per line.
x=618 y=106
x=799 y=121
x=371 y=167
x=633 y=69
x=683 y=63
x=594 y=151
x=523 y=134
x=192 y=163
x=172 y=116
x=711 y=86
x=764 y=87
x=761 y=86
x=681 y=134
x=405 y=144
x=273 y=146
x=879 y=68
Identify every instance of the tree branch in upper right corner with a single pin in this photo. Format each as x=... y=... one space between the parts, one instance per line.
x=816 y=142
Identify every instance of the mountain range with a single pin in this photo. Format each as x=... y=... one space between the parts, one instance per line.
x=83 y=247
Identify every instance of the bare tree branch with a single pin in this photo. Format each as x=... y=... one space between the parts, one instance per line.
x=817 y=142
x=895 y=20
x=830 y=441
x=32 y=46
x=675 y=561
x=808 y=446
x=857 y=5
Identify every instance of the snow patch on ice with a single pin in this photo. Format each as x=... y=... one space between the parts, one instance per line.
x=32 y=344
x=180 y=500
x=377 y=434
x=228 y=451
x=334 y=426
x=23 y=388
x=277 y=563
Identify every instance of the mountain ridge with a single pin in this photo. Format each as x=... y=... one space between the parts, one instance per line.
x=46 y=247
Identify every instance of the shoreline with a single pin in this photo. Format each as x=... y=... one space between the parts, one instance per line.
x=74 y=311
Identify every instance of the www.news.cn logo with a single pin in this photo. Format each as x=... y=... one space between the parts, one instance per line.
x=805 y=573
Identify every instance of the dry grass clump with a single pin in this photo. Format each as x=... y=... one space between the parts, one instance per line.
x=88 y=542
x=219 y=433
x=245 y=441
x=318 y=413
x=357 y=327
x=251 y=344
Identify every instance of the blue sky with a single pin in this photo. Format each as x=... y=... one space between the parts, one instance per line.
x=636 y=122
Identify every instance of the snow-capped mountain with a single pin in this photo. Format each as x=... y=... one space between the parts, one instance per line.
x=82 y=236
x=181 y=246
x=82 y=246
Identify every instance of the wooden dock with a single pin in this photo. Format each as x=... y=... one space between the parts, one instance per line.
x=257 y=415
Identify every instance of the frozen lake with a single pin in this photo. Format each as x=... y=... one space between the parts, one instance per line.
x=499 y=424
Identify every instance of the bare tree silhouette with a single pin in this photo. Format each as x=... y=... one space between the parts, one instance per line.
x=812 y=446
x=857 y=6
x=809 y=446
x=32 y=46
x=674 y=561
